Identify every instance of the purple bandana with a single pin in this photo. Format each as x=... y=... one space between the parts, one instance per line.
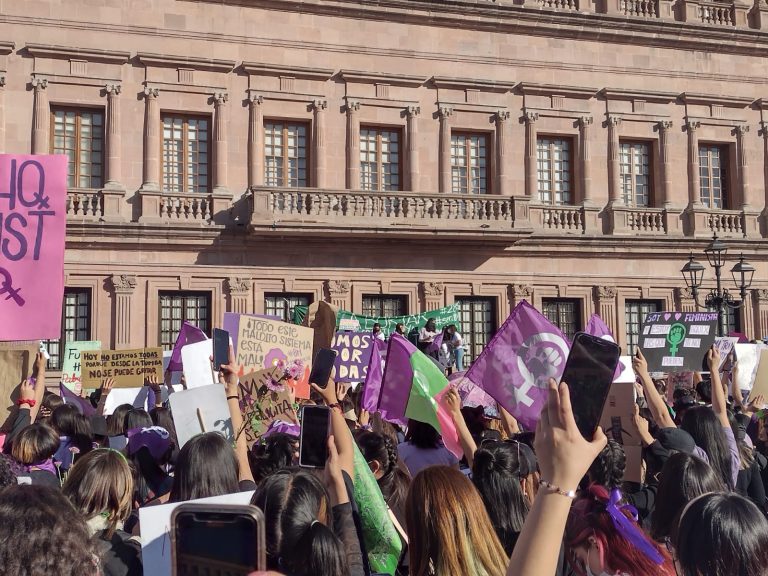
x=46 y=465
x=628 y=529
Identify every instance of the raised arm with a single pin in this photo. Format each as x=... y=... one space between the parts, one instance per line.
x=228 y=377
x=564 y=457
x=453 y=403
x=106 y=388
x=341 y=433
x=39 y=373
x=509 y=422
x=735 y=390
x=656 y=403
x=718 y=392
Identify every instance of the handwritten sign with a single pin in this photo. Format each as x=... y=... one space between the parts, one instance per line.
x=200 y=410
x=261 y=405
x=128 y=368
x=71 y=366
x=33 y=196
x=354 y=354
x=16 y=362
x=677 y=341
x=269 y=344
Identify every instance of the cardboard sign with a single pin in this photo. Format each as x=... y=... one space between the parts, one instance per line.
x=760 y=385
x=747 y=357
x=201 y=410
x=616 y=422
x=33 y=193
x=128 y=368
x=198 y=370
x=354 y=354
x=16 y=362
x=70 y=367
x=677 y=341
x=725 y=346
x=175 y=376
x=136 y=397
x=267 y=344
x=155 y=524
x=261 y=406
x=677 y=381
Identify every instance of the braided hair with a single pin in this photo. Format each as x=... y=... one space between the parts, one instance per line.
x=395 y=480
x=608 y=468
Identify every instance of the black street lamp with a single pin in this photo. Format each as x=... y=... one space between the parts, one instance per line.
x=718 y=298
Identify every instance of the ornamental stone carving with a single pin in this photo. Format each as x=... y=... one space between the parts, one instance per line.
x=239 y=285
x=433 y=288
x=523 y=290
x=605 y=292
x=761 y=294
x=684 y=294
x=338 y=288
x=123 y=283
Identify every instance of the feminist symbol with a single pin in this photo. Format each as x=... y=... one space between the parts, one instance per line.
x=675 y=335
x=6 y=287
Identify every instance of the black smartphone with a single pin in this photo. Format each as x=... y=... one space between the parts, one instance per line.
x=313 y=440
x=217 y=538
x=589 y=373
x=220 y=348
x=322 y=367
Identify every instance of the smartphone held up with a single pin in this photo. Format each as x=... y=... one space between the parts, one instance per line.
x=322 y=367
x=220 y=348
x=313 y=439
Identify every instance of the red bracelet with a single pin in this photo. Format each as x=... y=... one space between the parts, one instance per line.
x=29 y=401
x=335 y=405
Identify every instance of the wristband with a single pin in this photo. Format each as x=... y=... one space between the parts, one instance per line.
x=235 y=397
x=557 y=490
x=335 y=405
x=28 y=401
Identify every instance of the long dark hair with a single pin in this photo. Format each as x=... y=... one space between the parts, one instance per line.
x=298 y=517
x=683 y=478
x=68 y=421
x=277 y=452
x=207 y=466
x=116 y=420
x=41 y=533
x=162 y=417
x=497 y=473
x=707 y=431
x=608 y=468
x=422 y=435
x=149 y=476
x=137 y=418
x=721 y=534
x=395 y=478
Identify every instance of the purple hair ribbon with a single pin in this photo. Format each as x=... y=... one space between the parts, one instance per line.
x=628 y=529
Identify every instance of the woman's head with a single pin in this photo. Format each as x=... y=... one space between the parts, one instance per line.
x=721 y=534
x=683 y=478
x=707 y=431
x=422 y=435
x=50 y=402
x=277 y=452
x=381 y=454
x=35 y=444
x=449 y=528
x=137 y=418
x=207 y=466
x=68 y=421
x=162 y=417
x=499 y=472
x=41 y=533
x=595 y=545
x=299 y=520
x=101 y=483
x=608 y=468
x=431 y=325
x=116 y=420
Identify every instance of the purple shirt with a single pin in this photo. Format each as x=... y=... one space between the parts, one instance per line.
x=735 y=458
x=416 y=459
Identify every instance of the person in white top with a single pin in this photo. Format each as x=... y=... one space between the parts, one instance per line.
x=427 y=334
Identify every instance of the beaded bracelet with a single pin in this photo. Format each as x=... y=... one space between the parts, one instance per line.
x=557 y=490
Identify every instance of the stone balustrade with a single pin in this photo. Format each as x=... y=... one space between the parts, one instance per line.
x=85 y=204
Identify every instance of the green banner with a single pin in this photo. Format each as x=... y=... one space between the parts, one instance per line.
x=443 y=317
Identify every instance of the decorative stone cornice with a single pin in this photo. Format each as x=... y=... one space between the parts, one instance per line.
x=303 y=72
x=170 y=61
x=239 y=285
x=522 y=290
x=319 y=104
x=614 y=119
x=528 y=88
x=445 y=112
x=413 y=110
x=502 y=115
x=39 y=83
x=585 y=121
x=605 y=292
x=709 y=99
x=357 y=77
x=220 y=98
x=67 y=53
x=338 y=288
x=665 y=125
x=123 y=283
x=433 y=289
x=7 y=47
x=151 y=92
x=449 y=83
x=353 y=105
x=648 y=96
x=531 y=117
x=254 y=98
x=692 y=125
x=113 y=89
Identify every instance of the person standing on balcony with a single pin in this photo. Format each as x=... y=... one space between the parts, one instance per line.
x=427 y=334
x=377 y=333
x=456 y=346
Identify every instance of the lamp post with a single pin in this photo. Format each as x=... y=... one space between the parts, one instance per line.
x=718 y=298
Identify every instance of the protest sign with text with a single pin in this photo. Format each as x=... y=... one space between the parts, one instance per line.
x=128 y=368
x=262 y=401
x=354 y=354
x=71 y=364
x=33 y=192
x=677 y=341
x=274 y=345
x=16 y=362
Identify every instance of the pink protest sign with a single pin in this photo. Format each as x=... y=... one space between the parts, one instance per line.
x=33 y=192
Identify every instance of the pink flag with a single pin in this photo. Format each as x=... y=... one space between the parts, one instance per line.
x=189 y=334
x=517 y=364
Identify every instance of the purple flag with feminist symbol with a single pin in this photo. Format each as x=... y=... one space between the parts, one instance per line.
x=517 y=364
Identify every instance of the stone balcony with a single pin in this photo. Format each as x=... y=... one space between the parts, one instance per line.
x=310 y=211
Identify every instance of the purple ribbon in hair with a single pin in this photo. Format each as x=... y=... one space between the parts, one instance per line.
x=628 y=529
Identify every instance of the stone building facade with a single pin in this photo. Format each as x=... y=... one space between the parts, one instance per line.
x=392 y=157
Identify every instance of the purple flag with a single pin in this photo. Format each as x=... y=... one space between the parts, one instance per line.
x=596 y=327
x=82 y=405
x=517 y=364
x=372 y=386
x=471 y=396
x=434 y=346
x=189 y=334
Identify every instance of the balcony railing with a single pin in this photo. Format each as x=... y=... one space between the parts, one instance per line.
x=640 y=8
x=717 y=14
x=726 y=222
x=558 y=218
x=85 y=204
x=404 y=213
x=559 y=5
x=185 y=207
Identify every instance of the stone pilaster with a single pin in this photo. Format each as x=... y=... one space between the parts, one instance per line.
x=152 y=128
x=123 y=286
x=502 y=153
x=614 y=161
x=694 y=180
x=665 y=199
x=605 y=303
x=320 y=152
x=531 y=174
x=412 y=117
x=747 y=316
x=434 y=295
x=585 y=124
x=220 y=144
x=760 y=298
x=255 y=141
x=685 y=301
x=339 y=292
x=445 y=113
x=41 y=117
x=113 y=192
x=239 y=289
x=353 y=145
